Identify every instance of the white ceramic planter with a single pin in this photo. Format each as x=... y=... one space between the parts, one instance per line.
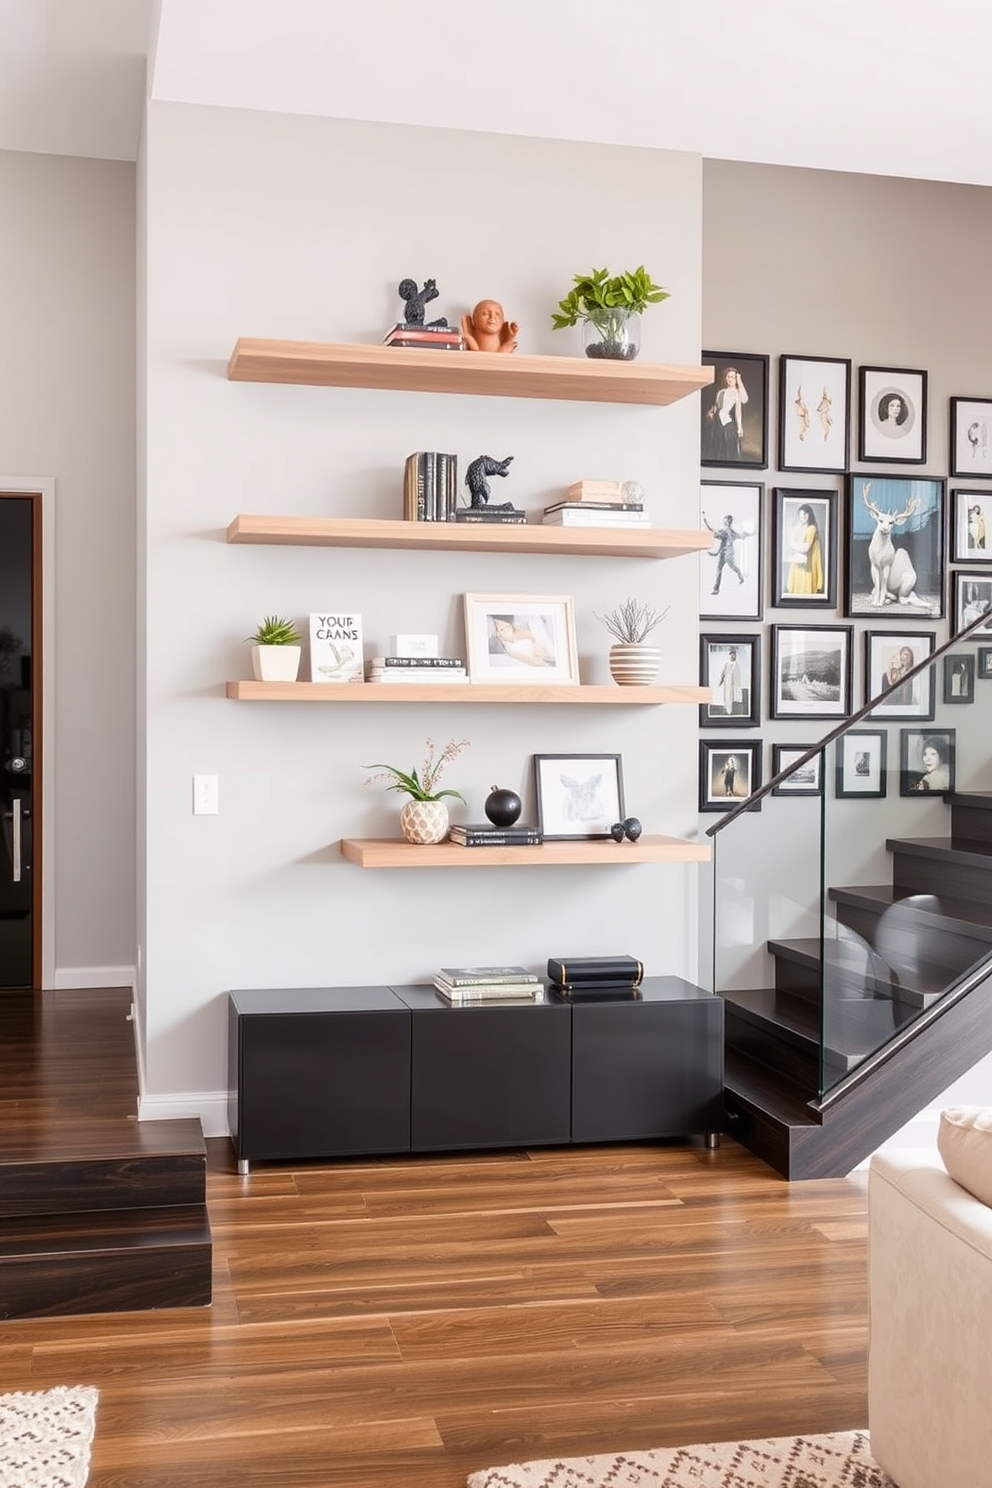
x=634 y=666
x=275 y=663
x=424 y=821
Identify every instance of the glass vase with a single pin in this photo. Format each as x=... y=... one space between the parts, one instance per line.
x=614 y=335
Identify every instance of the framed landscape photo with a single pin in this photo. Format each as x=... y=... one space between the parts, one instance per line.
x=892 y=427
x=959 y=677
x=889 y=656
x=984 y=667
x=971 y=438
x=734 y=411
x=579 y=796
x=814 y=413
x=521 y=639
x=728 y=773
x=926 y=761
x=971 y=526
x=860 y=763
x=730 y=665
x=811 y=671
x=895 y=547
x=807 y=780
x=730 y=572
x=971 y=599
x=804 y=548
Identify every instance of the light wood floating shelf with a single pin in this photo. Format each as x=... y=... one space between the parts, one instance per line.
x=391 y=852
x=461 y=692
x=583 y=379
x=370 y=532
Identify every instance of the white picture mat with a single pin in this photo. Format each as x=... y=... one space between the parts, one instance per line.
x=881 y=438
x=526 y=639
x=818 y=442
x=737 y=599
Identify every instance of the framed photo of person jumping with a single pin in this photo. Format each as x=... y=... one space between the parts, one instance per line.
x=814 y=413
x=730 y=666
x=893 y=416
x=728 y=773
x=734 y=411
x=804 y=548
x=730 y=573
x=895 y=547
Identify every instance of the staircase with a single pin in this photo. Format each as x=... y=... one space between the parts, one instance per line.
x=899 y=948
x=98 y=1212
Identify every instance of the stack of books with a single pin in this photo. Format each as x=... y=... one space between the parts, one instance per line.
x=597 y=504
x=484 y=834
x=430 y=486
x=595 y=976
x=438 y=338
x=512 y=516
x=417 y=669
x=488 y=984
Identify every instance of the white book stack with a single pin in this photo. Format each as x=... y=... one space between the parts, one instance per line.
x=417 y=669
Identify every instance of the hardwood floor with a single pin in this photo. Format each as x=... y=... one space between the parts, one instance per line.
x=400 y=1323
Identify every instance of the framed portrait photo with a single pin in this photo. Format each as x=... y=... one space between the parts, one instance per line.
x=892 y=426
x=730 y=666
x=807 y=780
x=804 y=548
x=971 y=598
x=959 y=677
x=811 y=671
x=730 y=572
x=734 y=411
x=521 y=639
x=971 y=526
x=728 y=773
x=579 y=796
x=860 y=763
x=814 y=413
x=889 y=656
x=984 y=667
x=971 y=438
x=926 y=761
x=895 y=547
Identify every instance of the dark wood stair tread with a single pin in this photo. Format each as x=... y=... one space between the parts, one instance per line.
x=763 y=1089
x=120 y=1231
x=854 y=969
x=853 y=1029
x=960 y=916
x=963 y=851
x=25 y=1141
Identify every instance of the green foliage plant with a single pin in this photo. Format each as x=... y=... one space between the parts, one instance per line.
x=276 y=630
x=422 y=787
x=633 y=621
x=607 y=300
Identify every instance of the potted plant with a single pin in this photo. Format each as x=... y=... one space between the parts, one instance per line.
x=608 y=305
x=275 y=655
x=632 y=661
x=424 y=817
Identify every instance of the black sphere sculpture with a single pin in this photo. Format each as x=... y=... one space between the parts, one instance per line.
x=503 y=807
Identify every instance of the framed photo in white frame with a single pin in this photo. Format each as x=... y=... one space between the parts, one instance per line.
x=521 y=639
x=814 y=413
x=893 y=416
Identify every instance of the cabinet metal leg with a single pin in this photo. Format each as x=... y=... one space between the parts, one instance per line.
x=243 y=1168
x=712 y=1139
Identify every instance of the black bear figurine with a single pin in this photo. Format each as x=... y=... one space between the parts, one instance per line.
x=416 y=301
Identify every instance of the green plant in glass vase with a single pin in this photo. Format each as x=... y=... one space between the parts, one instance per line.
x=608 y=305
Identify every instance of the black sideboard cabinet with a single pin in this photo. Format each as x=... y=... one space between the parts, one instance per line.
x=328 y=1072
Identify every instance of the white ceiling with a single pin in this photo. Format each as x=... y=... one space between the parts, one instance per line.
x=858 y=85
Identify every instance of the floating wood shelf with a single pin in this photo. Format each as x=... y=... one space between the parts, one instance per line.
x=325 y=364
x=607 y=693
x=390 y=852
x=370 y=532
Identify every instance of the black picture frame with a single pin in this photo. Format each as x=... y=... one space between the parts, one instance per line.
x=971 y=595
x=730 y=665
x=889 y=654
x=971 y=526
x=806 y=781
x=917 y=776
x=732 y=571
x=892 y=422
x=959 y=677
x=911 y=582
x=814 y=413
x=860 y=764
x=983 y=670
x=579 y=796
x=971 y=438
x=720 y=443
x=804 y=553
x=811 y=671
x=714 y=756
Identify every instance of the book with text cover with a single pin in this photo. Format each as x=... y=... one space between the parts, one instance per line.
x=474 y=976
x=336 y=647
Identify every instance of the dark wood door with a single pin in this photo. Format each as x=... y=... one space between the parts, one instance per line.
x=20 y=740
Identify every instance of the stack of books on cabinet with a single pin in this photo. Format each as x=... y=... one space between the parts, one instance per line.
x=460 y=984
x=598 y=504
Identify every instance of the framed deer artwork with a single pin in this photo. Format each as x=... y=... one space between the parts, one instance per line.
x=895 y=547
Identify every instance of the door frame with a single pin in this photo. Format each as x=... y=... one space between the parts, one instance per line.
x=43 y=683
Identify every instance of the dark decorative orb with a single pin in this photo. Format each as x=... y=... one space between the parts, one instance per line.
x=503 y=807
x=617 y=831
x=633 y=828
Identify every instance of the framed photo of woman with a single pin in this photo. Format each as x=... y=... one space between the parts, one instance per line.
x=728 y=773
x=730 y=666
x=811 y=671
x=971 y=527
x=814 y=413
x=734 y=411
x=890 y=656
x=893 y=423
x=926 y=761
x=971 y=438
x=804 y=545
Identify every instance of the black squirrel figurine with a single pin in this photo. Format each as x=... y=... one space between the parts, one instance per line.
x=416 y=301
x=478 y=486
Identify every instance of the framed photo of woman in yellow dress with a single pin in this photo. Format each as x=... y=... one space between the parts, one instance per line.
x=804 y=545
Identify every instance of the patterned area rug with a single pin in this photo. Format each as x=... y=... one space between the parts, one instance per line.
x=45 y=1438
x=839 y=1460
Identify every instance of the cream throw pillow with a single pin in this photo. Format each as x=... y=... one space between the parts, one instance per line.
x=964 y=1141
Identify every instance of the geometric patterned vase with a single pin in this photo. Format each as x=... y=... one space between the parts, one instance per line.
x=424 y=821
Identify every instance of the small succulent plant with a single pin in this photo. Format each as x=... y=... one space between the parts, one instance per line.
x=276 y=630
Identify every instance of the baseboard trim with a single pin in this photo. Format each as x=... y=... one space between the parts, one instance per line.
x=90 y=978
x=209 y=1105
